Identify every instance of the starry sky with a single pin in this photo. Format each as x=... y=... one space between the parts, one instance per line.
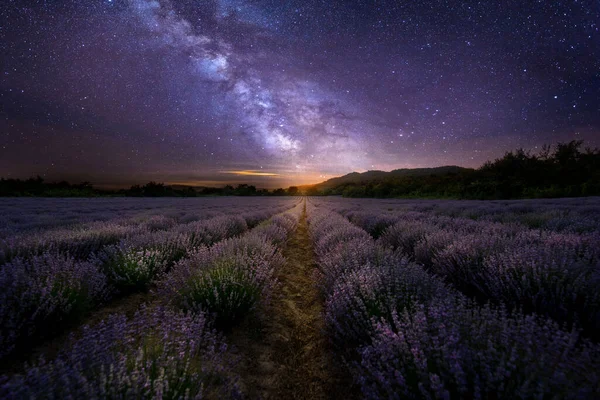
x=274 y=92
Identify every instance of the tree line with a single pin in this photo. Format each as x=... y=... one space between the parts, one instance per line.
x=38 y=187
x=564 y=170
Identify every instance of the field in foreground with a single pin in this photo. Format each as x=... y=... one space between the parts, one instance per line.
x=302 y=298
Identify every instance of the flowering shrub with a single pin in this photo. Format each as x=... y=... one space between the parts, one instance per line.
x=79 y=243
x=374 y=223
x=158 y=223
x=273 y=232
x=558 y=277
x=414 y=337
x=370 y=294
x=227 y=281
x=39 y=294
x=131 y=269
x=159 y=354
x=171 y=244
x=254 y=218
x=462 y=261
x=329 y=229
x=287 y=221
x=404 y=235
x=428 y=247
x=455 y=350
x=347 y=257
x=214 y=230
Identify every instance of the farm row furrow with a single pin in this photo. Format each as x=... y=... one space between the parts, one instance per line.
x=169 y=349
x=42 y=295
x=287 y=355
x=404 y=333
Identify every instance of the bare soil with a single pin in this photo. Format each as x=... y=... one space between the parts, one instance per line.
x=284 y=352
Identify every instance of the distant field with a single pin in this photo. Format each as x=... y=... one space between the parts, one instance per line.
x=320 y=297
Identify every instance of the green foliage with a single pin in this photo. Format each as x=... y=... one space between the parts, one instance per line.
x=132 y=270
x=227 y=292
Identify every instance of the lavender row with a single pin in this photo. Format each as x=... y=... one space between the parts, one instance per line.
x=84 y=240
x=169 y=351
x=158 y=354
x=578 y=215
x=556 y=275
x=405 y=334
x=52 y=289
x=22 y=215
x=232 y=278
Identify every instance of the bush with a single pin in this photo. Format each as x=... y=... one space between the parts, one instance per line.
x=556 y=277
x=79 y=243
x=224 y=291
x=272 y=232
x=329 y=240
x=347 y=257
x=39 y=294
x=130 y=269
x=172 y=245
x=214 y=230
x=227 y=281
x=404 y=235
x=455 y=350
x=461 y=262
x=428 y=247
x=370 y=294
x=374 y=223
x=159 y=354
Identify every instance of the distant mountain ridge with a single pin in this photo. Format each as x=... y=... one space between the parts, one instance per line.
x=376 y=175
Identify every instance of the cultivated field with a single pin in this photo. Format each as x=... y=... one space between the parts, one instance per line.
x=306 y=298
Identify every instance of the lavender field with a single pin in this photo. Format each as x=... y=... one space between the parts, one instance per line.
x=462 y=299
x=299 y=298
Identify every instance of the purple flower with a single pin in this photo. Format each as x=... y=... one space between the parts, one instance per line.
x=38 y=294
x=157 y=354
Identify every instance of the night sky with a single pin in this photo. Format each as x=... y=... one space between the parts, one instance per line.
x=276 y=92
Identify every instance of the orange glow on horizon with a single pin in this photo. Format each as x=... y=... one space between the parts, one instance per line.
x=250 y=173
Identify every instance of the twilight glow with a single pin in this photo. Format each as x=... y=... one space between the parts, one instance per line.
x=288 y=92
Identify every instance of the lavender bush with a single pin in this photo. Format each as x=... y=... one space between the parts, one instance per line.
x=429 y=246
x=129 y=268
x=559 y=277
x=418 y=338
x=404 y=235
x=455 y=350
x=173 y=245
x=273 y=232
x=39 y=294
x=159 y=354
x=214 y=230
x=347 y=257
x=227 y=281
x=371 y=293
x=461 y=263
x=79 y=243
x=374 y=223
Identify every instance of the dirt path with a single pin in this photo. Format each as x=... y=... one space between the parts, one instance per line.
x=286 y=355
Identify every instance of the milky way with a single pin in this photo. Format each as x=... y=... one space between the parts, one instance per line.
x=282 y=92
